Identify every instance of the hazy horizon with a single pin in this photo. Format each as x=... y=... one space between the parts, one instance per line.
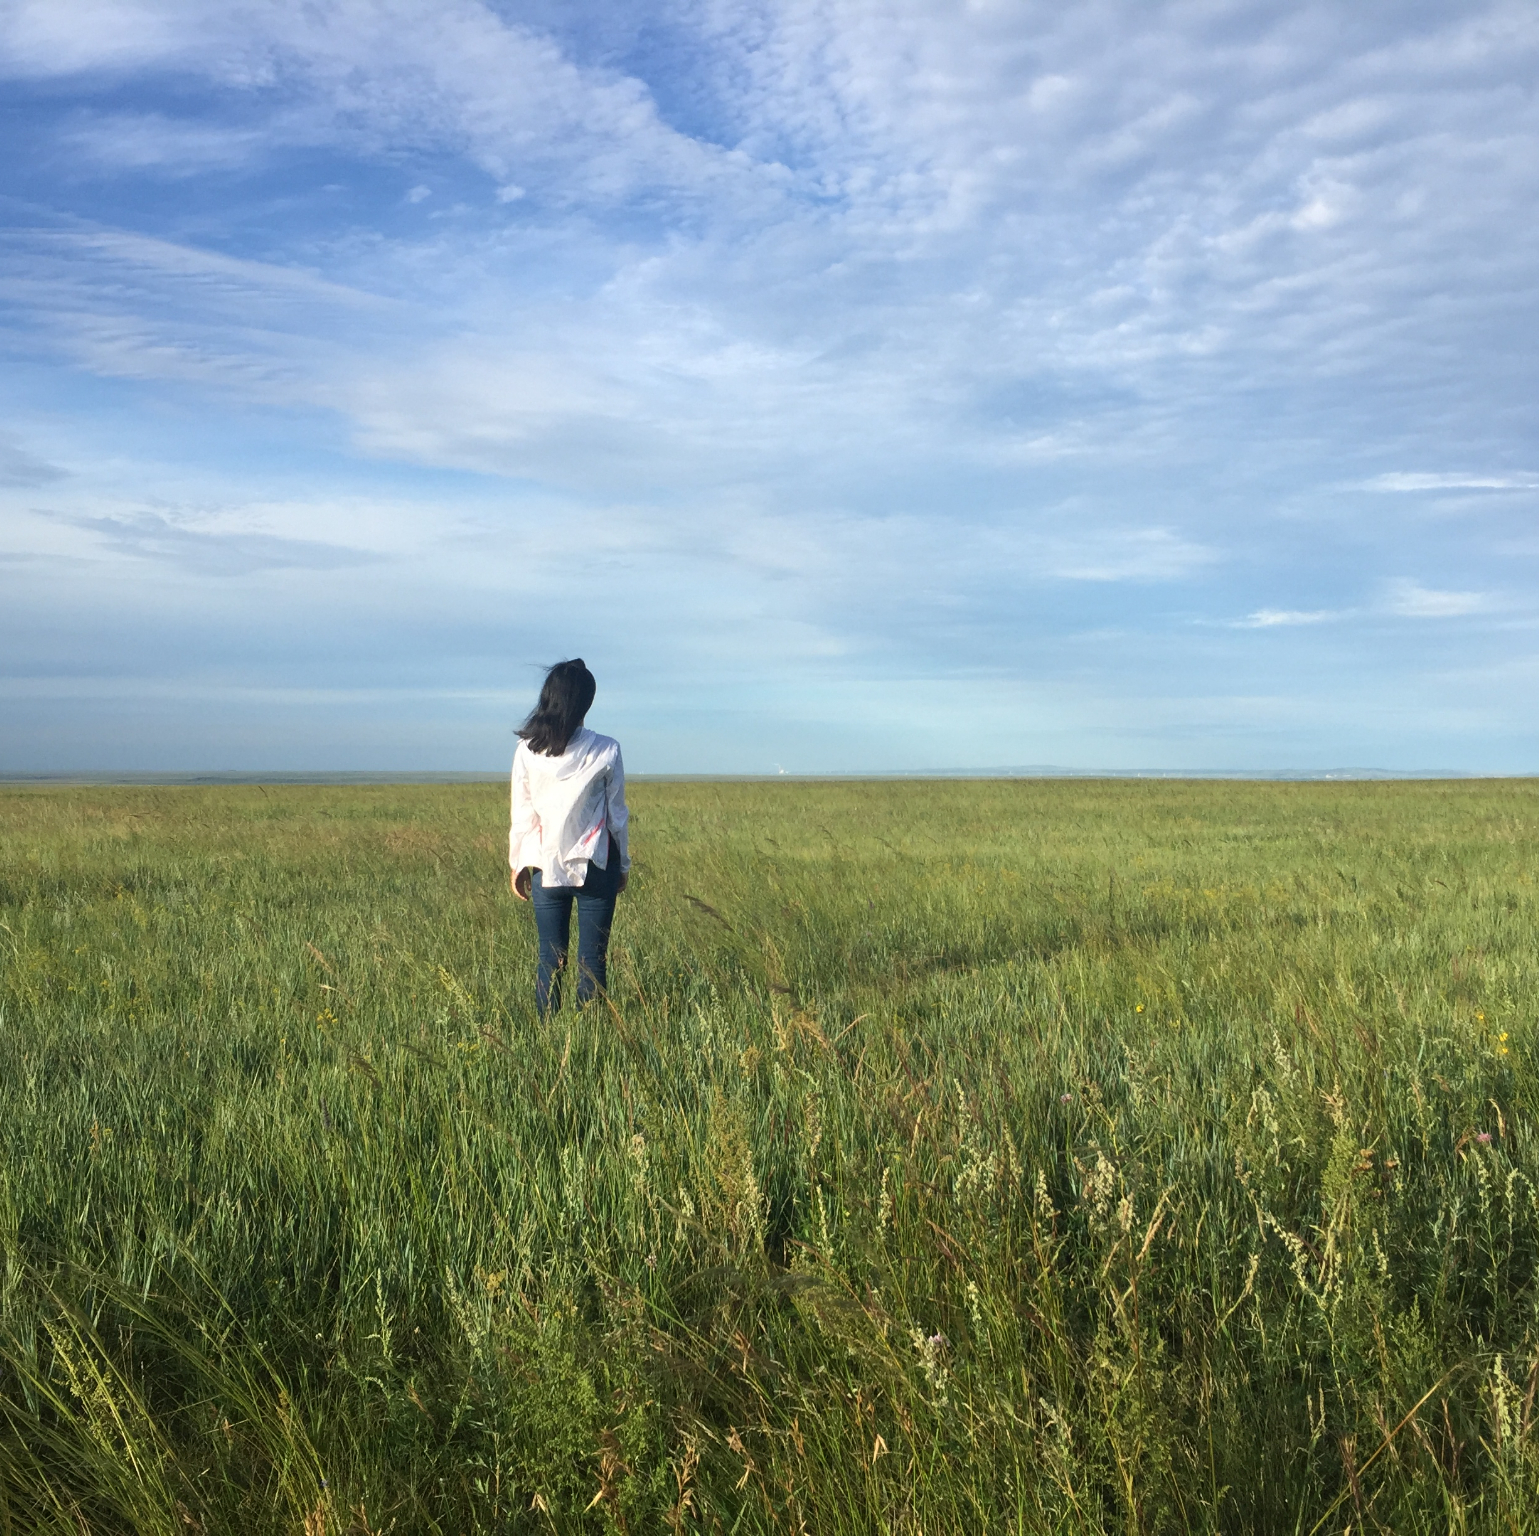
x=152 y=778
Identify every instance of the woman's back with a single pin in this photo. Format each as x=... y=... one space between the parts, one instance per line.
x=569 y=835
x=563 y=806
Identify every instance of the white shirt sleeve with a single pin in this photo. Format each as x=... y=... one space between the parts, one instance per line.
x=524 y=831
x=616 y=813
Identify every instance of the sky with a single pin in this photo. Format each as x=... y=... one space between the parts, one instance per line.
x=854 y=384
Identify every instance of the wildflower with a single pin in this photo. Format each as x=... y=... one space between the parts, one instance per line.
x=975 y=1308
x=1044 y=1201
x=1063 y=1098
x=1483 y=1137
x=1139 y=1008
x=932 y=1360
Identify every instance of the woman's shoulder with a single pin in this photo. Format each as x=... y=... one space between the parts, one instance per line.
x=600 y=746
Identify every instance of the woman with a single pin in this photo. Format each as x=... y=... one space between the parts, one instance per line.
x=568 y=840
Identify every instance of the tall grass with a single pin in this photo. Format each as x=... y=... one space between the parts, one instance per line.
x=1068 y=1157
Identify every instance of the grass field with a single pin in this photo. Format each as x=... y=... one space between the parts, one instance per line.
x=950 y=1157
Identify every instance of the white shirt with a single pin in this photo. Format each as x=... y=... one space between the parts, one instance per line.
x=563 y=807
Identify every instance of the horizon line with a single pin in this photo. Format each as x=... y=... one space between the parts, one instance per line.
x=131 y=778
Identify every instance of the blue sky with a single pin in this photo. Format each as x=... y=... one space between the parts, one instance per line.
x=855 y=384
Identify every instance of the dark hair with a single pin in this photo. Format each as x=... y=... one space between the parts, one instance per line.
x=565 y=698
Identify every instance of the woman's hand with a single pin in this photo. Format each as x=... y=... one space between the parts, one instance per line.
x=625 y=880
x=522 y=882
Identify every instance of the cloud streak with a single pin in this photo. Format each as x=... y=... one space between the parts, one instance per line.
x=1411 y=600
x=1286 y=618
x=1402 y=481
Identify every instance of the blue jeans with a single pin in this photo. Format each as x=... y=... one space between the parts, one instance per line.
x=595 y=899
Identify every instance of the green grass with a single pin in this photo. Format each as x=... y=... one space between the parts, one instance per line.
x=1025 y=1156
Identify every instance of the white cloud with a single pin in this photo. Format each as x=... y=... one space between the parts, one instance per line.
x=19 y=467
x=1273 y=618
x=1126 y=554
x=1411 y=600
x=42 y=39
x=449 y=74
x=141 y=269
x=1401 y=481
x=141 y=141
x=879 y=152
